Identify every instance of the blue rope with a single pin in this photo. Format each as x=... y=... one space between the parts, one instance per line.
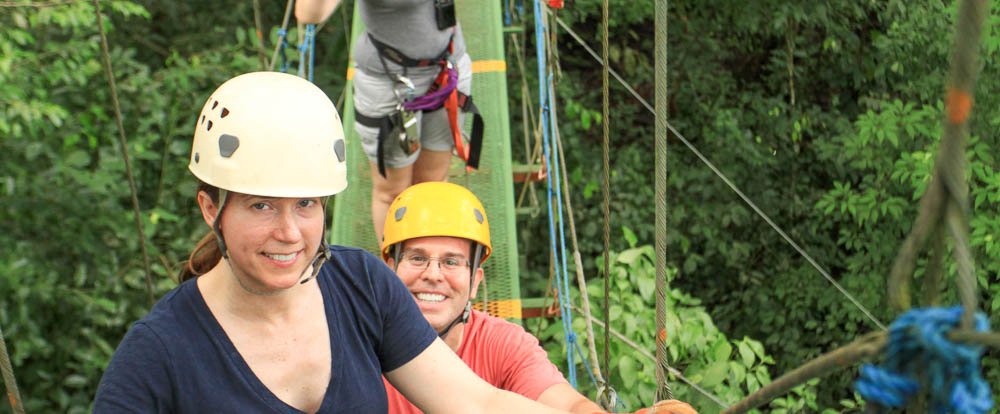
x=283 y=39
x=547 y=100
x=579 y=353
x=312 y=52
x=306 y=49
x=918 y=343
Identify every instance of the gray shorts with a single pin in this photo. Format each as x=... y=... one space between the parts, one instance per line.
x=374 y=97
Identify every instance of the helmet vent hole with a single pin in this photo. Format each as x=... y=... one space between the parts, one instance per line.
x=479 y=215
x=214 y=104
x=225 y=112
x=228 y=145
x=399 y=213
x=209 y=126
x=338 y=148
x=203 y=119
x=197 y=157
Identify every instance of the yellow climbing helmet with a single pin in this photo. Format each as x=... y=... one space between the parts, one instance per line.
x=436 y=209
x=270 y=134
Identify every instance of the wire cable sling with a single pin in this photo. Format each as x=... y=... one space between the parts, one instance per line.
x=917 y=345
x=605 y=183
x=13 y=395
x=663 y=391
x=124 y=147
x=687 y=143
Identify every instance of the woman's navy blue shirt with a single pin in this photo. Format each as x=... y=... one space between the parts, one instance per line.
x=179 y=360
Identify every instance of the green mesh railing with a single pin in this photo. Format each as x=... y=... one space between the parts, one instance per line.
x=352 y=226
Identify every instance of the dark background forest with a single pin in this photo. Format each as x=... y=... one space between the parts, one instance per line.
x=827 y=114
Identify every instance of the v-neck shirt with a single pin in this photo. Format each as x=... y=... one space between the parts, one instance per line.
x=178 y=359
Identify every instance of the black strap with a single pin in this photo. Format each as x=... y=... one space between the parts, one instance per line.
x=384 y=129
x=400 y=59
x=478 y=126
x=385 y=126
x=368 y=121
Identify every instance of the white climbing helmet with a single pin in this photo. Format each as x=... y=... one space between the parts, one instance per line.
x=270 y=134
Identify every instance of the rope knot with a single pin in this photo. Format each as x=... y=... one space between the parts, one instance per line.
x=918 y=343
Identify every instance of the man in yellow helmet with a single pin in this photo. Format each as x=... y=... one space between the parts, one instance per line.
x=436 y=237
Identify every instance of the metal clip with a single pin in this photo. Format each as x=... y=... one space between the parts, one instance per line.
x=408 y=136
x=407 y=87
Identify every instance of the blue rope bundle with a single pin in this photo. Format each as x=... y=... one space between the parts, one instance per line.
x=918 y=343
x=283 y=41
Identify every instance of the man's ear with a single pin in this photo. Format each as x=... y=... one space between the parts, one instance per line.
x=208 y=209
x=475 y=282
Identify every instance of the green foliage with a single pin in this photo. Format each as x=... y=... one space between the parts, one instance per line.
x=827 y=115
x=71 y=273
x=726 y=368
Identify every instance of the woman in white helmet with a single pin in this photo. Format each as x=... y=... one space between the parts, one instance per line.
x=269 y=318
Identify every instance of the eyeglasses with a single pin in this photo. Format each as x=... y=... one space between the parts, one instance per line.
x=451 y=265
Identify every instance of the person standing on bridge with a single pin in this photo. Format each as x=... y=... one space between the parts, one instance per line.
x=412 y=85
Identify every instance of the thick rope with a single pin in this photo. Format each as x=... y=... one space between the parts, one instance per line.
x=13 y=395
x=660 y=230
x=729 y=183
x=546 y=100
x=279 y=46
x=581 y=280
x=918 y=346
x=945 y=202
x=124 y=147
x=606 y=186
x=866 y=347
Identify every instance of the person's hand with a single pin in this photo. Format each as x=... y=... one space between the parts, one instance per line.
x=668 y=407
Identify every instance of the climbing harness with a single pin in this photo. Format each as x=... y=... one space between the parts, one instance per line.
x=403 y=124
x=918 y=344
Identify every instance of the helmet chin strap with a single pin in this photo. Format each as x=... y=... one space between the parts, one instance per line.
x=464 y=317
x=477 y=254
x=217 y=224
x=322 y=255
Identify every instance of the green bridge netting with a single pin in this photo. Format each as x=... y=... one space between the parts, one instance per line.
x=492 y=183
